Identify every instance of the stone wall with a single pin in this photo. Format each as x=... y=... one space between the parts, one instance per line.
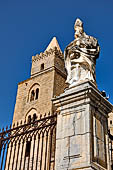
x=50 y=81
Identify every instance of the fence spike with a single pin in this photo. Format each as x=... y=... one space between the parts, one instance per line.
x=21 y=122
x=6 y=127
x=14 y=125
x=40 y=116
x=3 y=129
x=49 y=113
x=17 y=123
x=45 y=115
x=10 y=126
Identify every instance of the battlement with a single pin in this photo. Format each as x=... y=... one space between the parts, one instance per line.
x=51 y=58
x=45 y=54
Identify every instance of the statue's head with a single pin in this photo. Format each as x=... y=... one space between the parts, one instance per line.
x=78 y=27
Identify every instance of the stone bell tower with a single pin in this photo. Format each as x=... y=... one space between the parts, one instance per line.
x=82 y=129
x=47 y=80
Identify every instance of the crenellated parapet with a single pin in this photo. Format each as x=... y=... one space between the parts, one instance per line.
x=51 y=51
x=52 y=58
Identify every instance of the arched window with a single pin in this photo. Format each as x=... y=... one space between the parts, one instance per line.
x=37 y=92
x=29 y=119
x=31 y=115
x=32 y=95
x=34 y=117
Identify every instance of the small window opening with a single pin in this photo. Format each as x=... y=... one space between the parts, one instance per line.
x=29 y=119
x=37 y=92
x=32 y=95
x=110 y=122
x=34 y=117
x=42 y=67
x=28 y=146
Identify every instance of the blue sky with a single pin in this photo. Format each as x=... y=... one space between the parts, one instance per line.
x=26 y=28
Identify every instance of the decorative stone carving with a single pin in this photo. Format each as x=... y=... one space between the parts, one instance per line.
x=80 y=56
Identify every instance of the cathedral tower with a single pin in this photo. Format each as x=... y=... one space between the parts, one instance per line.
x=47 y=80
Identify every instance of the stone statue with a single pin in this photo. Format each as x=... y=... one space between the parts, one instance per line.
x=80 y=56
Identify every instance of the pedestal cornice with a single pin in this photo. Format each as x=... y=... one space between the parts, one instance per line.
x=85 y=92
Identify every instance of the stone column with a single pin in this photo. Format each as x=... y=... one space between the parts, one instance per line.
x=82 y=130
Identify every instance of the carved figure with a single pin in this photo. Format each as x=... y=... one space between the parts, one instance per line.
x=80 y=56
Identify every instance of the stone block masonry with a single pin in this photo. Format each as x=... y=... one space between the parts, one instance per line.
x=81 y=126
x=47 y=81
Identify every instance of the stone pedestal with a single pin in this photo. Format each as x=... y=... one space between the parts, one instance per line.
x=82 y=131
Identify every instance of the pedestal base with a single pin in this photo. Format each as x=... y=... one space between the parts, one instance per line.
x=82 y=137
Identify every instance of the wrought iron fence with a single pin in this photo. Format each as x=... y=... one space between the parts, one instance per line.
x=29 y=146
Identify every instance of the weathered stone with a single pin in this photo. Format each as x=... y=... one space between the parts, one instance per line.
x=80 y=56
x=62 y=153
x=78 y=106
x=50 y=81
x=75 y=146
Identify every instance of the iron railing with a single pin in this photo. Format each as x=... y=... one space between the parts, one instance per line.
x=29 y=146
